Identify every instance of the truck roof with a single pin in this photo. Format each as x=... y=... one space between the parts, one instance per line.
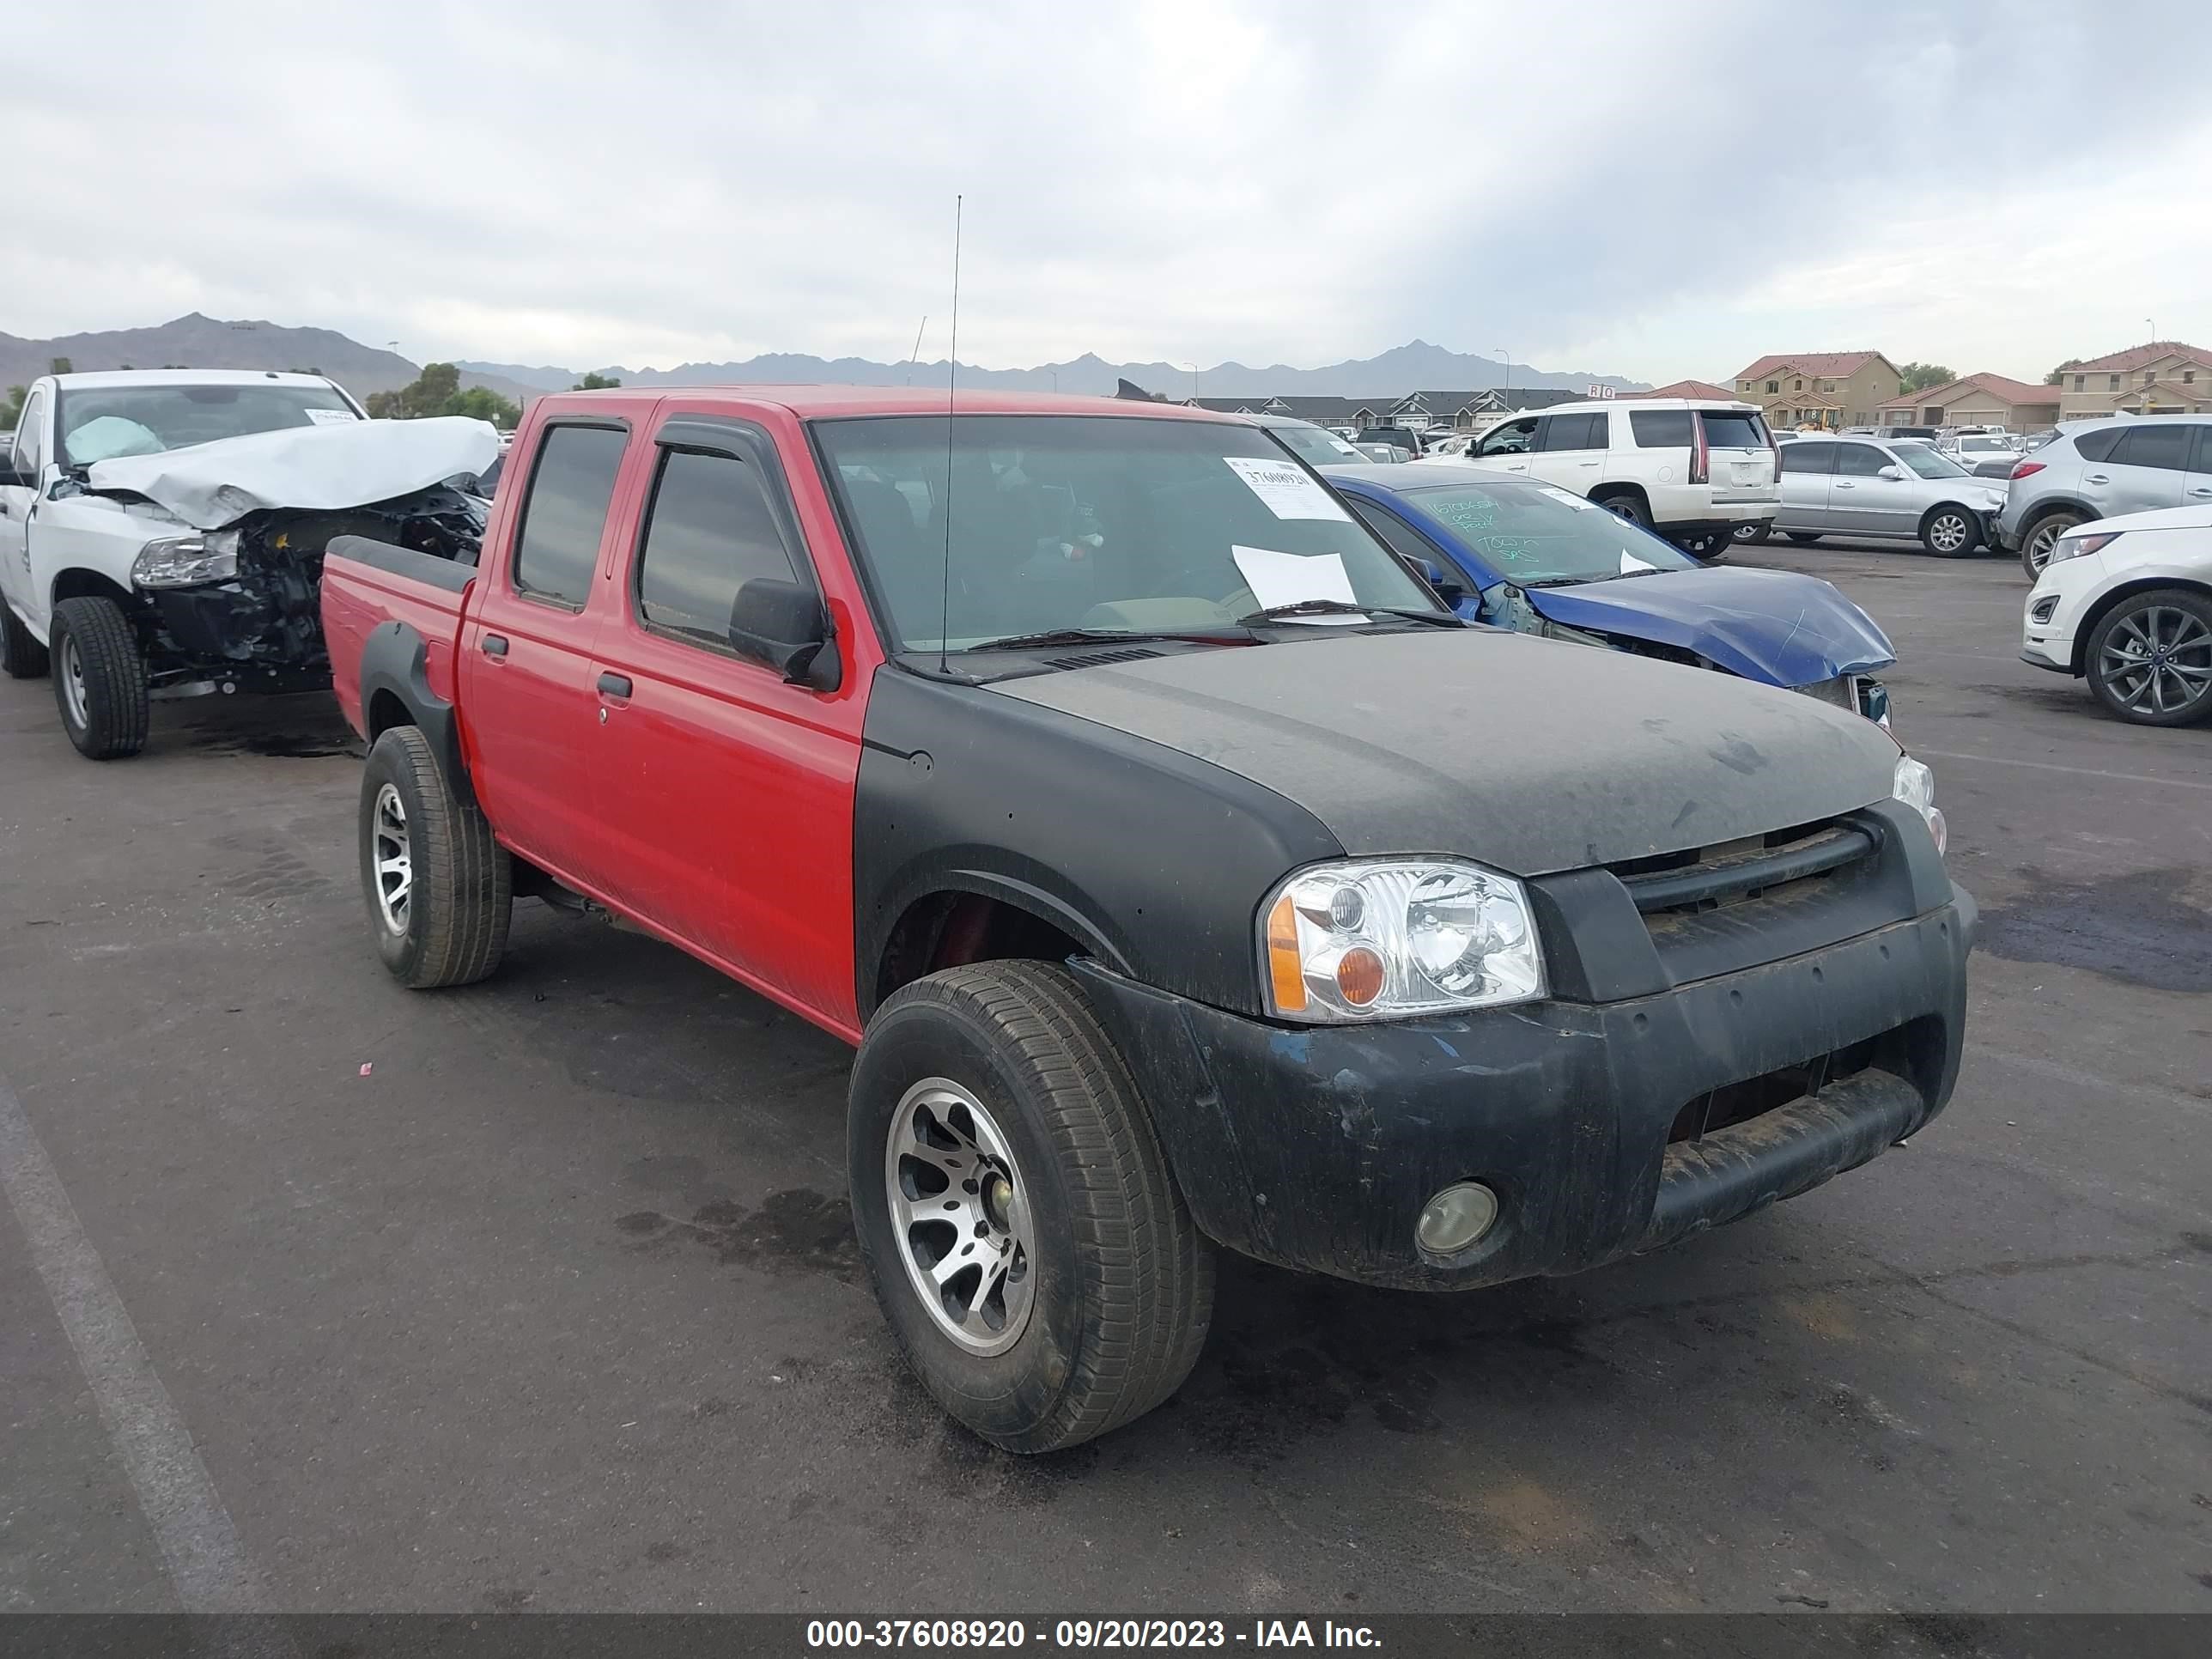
x=92 y=379
x=824 y=402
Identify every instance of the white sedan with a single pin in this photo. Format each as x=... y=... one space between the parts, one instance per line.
x=2126 y=604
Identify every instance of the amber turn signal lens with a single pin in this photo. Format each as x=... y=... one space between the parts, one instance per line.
x=1359 y=975
x=1283 y=968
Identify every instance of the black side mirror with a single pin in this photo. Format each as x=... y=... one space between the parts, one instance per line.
x=787 y=626
x=1450 y=588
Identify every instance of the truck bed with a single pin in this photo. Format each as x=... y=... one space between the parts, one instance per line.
x=368 y=583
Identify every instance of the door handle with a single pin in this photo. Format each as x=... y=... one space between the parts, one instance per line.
x=2200 y=492
x=1846 y=486
x=1588 y=463
x=615 y=686
x=1516 y=466
x=494 y=645
x=2095 y=477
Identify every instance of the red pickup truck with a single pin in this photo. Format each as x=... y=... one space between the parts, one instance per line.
x=1088 y=766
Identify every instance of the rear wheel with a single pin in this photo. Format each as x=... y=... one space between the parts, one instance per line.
x=23 y=656
x=1805 y=535
x=1038 y=1267
x=100 y=679
x=1950 y=532
x=1631 y=507
x=439 y=889
x=1756 y=531
x=1708 y=549
x=2149 y=661
x=2042 y=536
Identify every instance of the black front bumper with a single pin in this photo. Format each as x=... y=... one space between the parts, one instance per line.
x=1317 y=1147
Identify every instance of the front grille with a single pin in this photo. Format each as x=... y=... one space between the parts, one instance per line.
x=1739 y=1102
x=1758 y=866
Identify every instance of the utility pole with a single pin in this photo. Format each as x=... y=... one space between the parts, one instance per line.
x=1508 y=355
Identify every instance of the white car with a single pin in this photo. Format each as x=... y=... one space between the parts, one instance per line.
x=1970 y=449
x=1453 y=448
x=2126 y=604
x=1693 y=470
x=161 y=531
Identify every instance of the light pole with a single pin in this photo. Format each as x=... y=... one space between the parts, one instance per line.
x=2152 y=326
x=1508 y=355
x=1193 y=367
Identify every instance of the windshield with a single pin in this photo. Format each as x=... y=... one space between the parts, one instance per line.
x=1103 y=523
x=98 y=423
x=1983 y=446
x=1927 y=463
x=1544 y=535
x=1317 y=446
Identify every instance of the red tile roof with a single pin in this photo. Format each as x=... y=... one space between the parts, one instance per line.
x=2142 y=356
x=1994 y=385
x=1690 y=389
x=1812 y=362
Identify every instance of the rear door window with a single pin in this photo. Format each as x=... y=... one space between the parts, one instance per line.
x=2160 y=444
x=1660 y=428
x=1733 y=429
x=708 y=532
x=565 y=514
x=2099 y=446
x=1810 y=456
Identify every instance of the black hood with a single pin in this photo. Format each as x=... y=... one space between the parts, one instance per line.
x=1528 y=755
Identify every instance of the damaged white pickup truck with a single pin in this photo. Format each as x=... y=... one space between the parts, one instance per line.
x=161 y=532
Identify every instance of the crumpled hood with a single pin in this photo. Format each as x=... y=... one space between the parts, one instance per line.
x=1774 y=626
x=1528 y=755
x=315 y=467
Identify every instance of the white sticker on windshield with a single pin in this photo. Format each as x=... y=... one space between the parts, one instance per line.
x=332 y=416
x=1569 y=497
x=1630 y=564
x=1280 y=579
x=1289 y=491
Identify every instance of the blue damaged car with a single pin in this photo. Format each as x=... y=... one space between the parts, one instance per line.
x=1540 y=560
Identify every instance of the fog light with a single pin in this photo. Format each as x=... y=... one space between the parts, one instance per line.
x=1455 y=1218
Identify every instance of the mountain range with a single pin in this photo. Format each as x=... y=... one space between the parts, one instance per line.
x=194 y=341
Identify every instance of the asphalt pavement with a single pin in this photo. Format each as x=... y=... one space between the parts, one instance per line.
x=318 y=1294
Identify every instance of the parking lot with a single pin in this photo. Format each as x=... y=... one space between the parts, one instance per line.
x=540 y=1294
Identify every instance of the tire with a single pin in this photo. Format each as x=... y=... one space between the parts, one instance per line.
x=100 y=679
x=440 y=889
x=2037 y=540
x=1108 y=1292
x=2174 y=689
x=1709 y=548
x=1631 y=507
x=1805 y=536
x=1950 y=532
x=1755 y=533
x=23 y=657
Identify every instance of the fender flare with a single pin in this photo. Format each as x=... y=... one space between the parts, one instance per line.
x=968 y=874
x=395 y=660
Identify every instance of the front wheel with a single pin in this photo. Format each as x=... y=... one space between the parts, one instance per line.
x=2042 y=536
x=439 y=888
x=21 y=655
x=1950 y=532
x=1025 y=1240
x=1757 y=530
x=1631 y=507
x=2149 y=661
x=1806 y=537
x=100 y=679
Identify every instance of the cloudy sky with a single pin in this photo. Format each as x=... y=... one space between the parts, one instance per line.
x=1649 y=188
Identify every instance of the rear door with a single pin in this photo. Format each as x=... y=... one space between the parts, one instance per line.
x=2197 y=486
x=727 y=795
x=530 y=697
x=1571 y=451
x=1738 y=456
x=1808 y=470
x=1862 y=501
x=2144 y=471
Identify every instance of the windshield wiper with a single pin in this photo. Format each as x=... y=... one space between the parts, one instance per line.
x=1339 y=608
x=1099 y=635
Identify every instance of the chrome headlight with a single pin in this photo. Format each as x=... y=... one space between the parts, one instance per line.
x=187 y=561
x=1915 y=785
x=2073 y=547
x=1382 y=939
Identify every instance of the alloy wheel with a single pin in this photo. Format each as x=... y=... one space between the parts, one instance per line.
x=961 y=1215
x=395 y=862
x=2157 y=660
x=73 y=683
x=2045 y=537
x=1948 y=533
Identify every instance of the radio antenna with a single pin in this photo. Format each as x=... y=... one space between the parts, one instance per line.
x=951 y=384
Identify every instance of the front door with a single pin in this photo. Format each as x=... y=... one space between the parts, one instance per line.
x=528 y=676
x=1571 y=451
x=1861 y=502
x=1505 y=447
x=2196 y=488
x=18 y=506
x=726 y=794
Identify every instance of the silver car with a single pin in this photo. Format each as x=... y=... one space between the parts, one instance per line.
x=1864 y=486
x=2099 y=470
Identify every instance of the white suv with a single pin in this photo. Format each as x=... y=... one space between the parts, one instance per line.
x=1693 y=470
